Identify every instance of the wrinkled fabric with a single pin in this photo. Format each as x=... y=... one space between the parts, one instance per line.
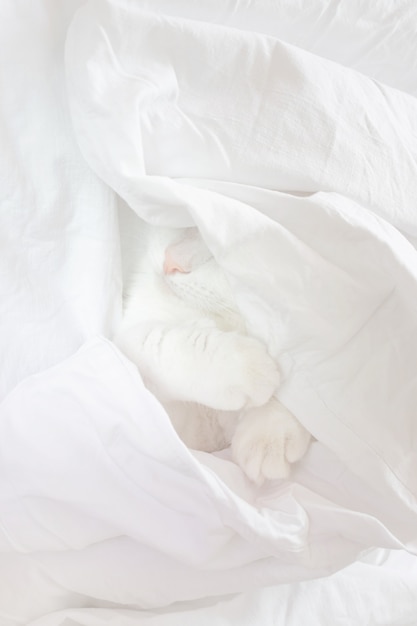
x=301 y=176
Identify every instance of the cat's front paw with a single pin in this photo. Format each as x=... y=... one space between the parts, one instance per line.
x=267 y=441
x=248 y=376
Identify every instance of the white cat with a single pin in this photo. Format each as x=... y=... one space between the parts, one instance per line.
x=183 y=330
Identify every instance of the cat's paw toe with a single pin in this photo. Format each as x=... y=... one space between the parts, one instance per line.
x=267 y=441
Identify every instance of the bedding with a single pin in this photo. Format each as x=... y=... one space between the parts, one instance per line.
x=287 y=134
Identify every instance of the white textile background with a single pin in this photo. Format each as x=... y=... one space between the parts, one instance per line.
x=299 y=164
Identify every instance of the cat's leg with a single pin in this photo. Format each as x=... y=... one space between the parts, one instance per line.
x=267 y=440
x=198 y=425
x=197 y=362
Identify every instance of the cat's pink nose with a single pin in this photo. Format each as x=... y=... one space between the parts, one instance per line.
x=171 y=265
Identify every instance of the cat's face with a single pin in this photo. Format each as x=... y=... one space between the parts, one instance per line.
x=192 y=273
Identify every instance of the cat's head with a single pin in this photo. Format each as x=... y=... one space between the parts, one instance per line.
x=193 y=274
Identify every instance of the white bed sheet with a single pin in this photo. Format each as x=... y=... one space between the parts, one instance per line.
x=375 y=38
x=101 y=505
x=59 y=240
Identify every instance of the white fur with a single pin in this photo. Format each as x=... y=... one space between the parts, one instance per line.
x=183 y=330
x=267 y=440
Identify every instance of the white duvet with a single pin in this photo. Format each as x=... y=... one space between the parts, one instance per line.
x=302 y=177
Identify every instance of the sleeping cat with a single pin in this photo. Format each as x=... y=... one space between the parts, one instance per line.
x=183 y=330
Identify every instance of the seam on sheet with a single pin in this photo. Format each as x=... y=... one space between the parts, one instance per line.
x=359 y=329
x=364 y=444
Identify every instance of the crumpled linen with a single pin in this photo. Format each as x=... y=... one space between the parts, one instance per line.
x=330 y=286
x=300 y=175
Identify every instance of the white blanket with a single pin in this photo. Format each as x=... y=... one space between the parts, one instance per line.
x=301 y=175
